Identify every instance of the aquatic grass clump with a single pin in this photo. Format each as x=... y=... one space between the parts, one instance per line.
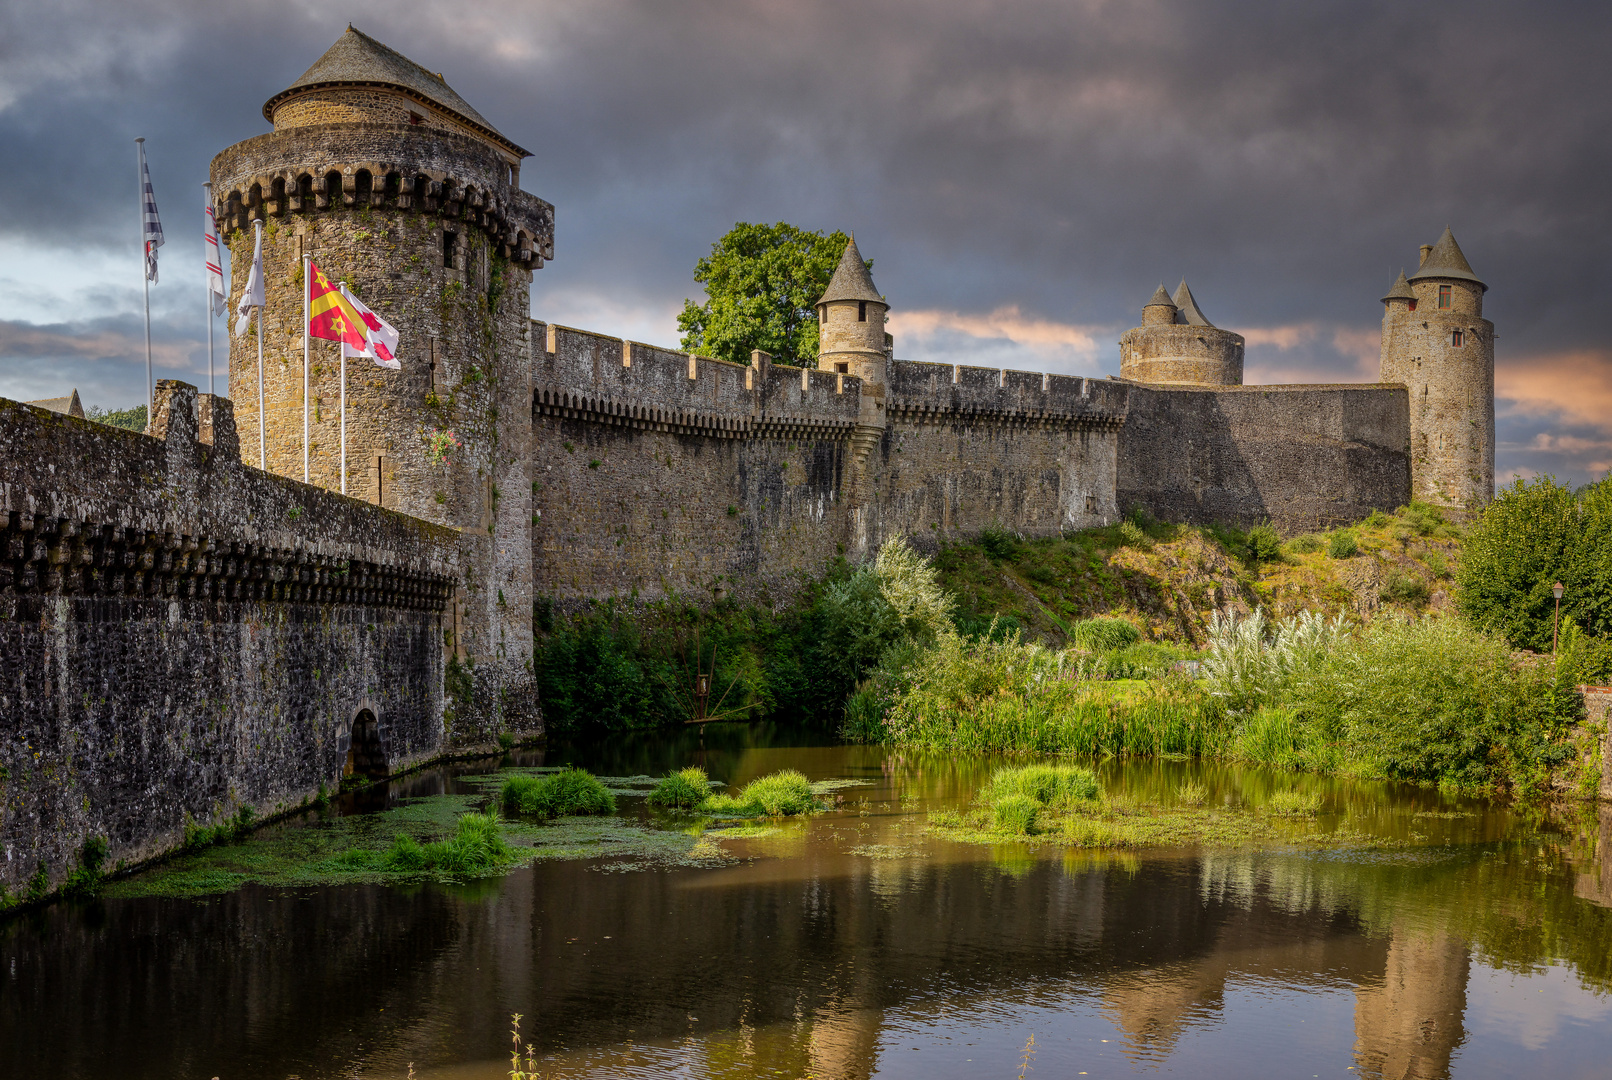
x=682 y=790
x=1294 y=803
x=477 y=849
x=561 y=794
x=780 y=794
x=1191 y=794
x=1058 y=786
x=1015 y=814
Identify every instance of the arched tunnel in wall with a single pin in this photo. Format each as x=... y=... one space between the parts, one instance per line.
x=366 y=750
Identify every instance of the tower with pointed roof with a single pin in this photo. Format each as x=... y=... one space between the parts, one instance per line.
x=850 y=332
x=390 y=181
x=1436 y=342
x=1176 y=345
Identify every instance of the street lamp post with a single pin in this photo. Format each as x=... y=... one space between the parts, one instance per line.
x=1556 y=590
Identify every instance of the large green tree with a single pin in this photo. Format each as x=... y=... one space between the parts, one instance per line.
x=761 y=282
x=1534 y=534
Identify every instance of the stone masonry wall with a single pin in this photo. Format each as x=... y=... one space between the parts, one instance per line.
x=1305 y=457
x=184 y=636
x=658 y=473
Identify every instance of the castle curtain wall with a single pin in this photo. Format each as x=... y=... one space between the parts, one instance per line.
x=184 y=636
x=1304 y=457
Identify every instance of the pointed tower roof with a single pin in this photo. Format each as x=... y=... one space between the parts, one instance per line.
x=1446 y=261
x=1160 y=298
x=1187 y=308
x=1400 y=290
x=356 y=59
x=851 y=280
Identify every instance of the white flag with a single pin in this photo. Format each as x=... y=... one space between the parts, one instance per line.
x=382 y=346
x=150 y=224
x=252 y=295
x=216 y=289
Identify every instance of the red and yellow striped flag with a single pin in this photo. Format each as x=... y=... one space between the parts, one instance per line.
x=330 y=316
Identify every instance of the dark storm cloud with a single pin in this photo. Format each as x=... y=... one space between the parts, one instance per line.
x=1053 y=159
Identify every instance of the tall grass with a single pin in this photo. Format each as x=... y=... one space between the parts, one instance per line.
x=560 y=794
x=477 y=849
x=682 y=790
x=783 y=793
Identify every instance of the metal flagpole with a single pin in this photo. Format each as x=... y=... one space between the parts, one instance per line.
x=262 y=437
x=207 y=194
x=307 y=287
x=145 y=266
x=344 y=416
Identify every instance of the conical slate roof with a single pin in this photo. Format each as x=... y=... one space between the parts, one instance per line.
x=1187 y=308
x=356 y=59
x=1445 y=261
x=1400 y=290
x=851 y=280
x=1160 y=297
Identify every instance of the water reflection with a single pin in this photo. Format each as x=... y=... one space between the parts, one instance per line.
x=848 y=946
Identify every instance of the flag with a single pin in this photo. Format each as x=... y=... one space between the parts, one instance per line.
x=252 y=295
x=216 y=289
x=382 y=337
x=150 y=224
x=330 y=316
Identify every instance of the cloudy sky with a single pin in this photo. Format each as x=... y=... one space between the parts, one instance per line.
x=1022 y=173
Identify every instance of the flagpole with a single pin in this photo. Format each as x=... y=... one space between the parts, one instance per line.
x=145 y=266
x=307 y=287
x=262 y=437
x=207 y=195
x=344 y=415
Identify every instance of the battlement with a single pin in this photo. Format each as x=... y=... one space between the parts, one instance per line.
x=943 y=393
x=391 y=166
x=623 y=383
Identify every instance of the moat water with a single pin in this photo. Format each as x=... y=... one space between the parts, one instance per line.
x=1468 y=940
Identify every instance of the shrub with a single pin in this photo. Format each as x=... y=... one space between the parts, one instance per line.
x=780 y=794
x=1308 y=544
x=560 y=794
x=911 y=587
x=1015 y=814
x=1405 y=588
x=998 y=543
x=1132 y=535
x=1437 y=563
x=1343 y=545
x=86 y=877
x=684 y=789
x=1101 y=634
x=1264 y=544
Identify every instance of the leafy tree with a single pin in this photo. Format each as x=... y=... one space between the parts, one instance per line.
x=1533 y=535
x=134 y=419
x=761 y=285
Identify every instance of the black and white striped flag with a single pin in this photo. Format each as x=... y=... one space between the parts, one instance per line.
x=151 y=225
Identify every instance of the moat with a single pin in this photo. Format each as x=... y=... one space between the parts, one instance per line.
x=1459 y=938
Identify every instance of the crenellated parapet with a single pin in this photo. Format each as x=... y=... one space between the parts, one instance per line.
x=923 y=393
x=439 y=174
x=577 y=374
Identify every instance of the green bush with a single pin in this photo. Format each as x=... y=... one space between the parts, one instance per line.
x=780 y=794
x=130 y=419
x=683 y=790
x=1404 y=588
x=1132 y=535
x=1264 y=544
x=999 y=544
x=1343 y=545
x=86 y=877
x=1308 y=544
x=561 y=794
x=1100 y=634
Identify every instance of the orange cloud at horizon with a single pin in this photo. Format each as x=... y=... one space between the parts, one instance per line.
x=1576 y=385
x=1003 y=323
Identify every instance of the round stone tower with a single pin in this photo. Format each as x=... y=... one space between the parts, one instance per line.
x=1436 y=342
x=391 y=182
x=1177 y=345
x=850 y=332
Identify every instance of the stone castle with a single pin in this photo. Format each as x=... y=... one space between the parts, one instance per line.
x=372 y=631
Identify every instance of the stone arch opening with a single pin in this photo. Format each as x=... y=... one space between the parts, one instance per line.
x=363 y=186
x=366 y=751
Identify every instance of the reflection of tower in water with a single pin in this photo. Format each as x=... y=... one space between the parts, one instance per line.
x=1408 y=1025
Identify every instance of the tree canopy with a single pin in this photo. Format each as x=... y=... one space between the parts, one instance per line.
x=1534 y=534
x=761 y=285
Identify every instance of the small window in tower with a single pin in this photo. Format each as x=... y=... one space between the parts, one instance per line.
x=861 y=311
x=1413 y=305
x=1456 y=338
x=450 y=241
x=415 y=118
x=1444 y=296
x=843 y=369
